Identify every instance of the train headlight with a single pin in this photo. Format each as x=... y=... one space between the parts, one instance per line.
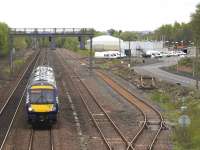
x=54 y=108
x=30 y=108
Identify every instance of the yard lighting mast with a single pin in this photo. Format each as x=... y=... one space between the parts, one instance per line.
x=120 y=44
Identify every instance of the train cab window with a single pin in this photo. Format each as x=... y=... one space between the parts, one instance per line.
x=41 y=96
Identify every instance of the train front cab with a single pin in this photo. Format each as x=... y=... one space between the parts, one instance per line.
x=42 y=106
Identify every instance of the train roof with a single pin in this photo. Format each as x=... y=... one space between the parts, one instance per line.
x=43 y=75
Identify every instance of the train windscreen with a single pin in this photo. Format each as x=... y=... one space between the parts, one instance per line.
x=41 y=96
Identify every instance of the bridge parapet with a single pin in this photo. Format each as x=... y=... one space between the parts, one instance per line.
x=52 y=31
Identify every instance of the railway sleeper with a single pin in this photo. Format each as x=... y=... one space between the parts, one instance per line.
x=100 y=114
x=153 y=125
x=148 y=123
x=154 y=122
x=102 y=120
x=75 y=76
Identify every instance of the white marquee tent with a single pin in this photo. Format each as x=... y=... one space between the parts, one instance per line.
x=105 y=43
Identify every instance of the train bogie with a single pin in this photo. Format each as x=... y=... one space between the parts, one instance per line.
x=34 y=118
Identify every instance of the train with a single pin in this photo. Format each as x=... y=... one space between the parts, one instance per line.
x=42 y=104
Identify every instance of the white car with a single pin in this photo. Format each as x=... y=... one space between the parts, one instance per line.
x=179 y=53
x=165 y=54
x=109 y=54
x=156 y=55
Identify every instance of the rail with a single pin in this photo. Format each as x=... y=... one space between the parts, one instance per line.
x=11 y=107
x=31 y=140
x=161 y=123
x=102 y=109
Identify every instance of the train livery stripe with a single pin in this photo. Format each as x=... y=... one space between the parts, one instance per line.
x=42 y=107
x=42 y=87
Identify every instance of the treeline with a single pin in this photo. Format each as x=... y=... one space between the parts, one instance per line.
x=60 y=42
x=18 y=42
x=3 y=38
x=176 y=32
x=169 y=32
x=126 y=35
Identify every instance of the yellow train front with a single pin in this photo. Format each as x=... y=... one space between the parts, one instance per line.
x=42 y=97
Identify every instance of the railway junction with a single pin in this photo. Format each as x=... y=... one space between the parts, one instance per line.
x=97 y=110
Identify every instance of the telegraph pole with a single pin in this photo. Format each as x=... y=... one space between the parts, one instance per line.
x=130 y=55
x=120 y=44
x=11 y=53
x=90 y=58
x=196 y=65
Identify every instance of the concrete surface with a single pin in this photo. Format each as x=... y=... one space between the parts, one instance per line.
x=154 y=70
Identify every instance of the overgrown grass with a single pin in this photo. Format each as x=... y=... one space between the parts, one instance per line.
x=6 y=70
x=83 y=52
x=187 y=138
x=18 y=63
x=109 y=63
x=104 y=66
x=186 y=62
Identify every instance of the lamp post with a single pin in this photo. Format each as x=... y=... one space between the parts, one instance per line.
x=11 y=53
x=90 y=58
x=130 y=55
x=120 y=44
x=196 y=65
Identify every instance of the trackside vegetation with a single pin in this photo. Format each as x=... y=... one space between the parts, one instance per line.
x=19 y=43
x=3 y=39
x=170 y=98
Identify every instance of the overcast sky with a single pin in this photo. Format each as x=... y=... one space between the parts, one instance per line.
x=134 y=15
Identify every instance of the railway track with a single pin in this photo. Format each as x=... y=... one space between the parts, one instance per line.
x=10 y=109
x=13 y=102
x=110 y=133
x=145 y=138
x=49 y=143
x=151 y=115
x=35 y=133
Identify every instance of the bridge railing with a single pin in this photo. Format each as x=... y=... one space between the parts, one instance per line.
x=51 y=31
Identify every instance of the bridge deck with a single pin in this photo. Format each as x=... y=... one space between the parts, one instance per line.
x=52 y=31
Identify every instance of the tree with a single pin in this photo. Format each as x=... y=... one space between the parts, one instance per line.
x=195 y=23
x=28 y=41
x=129 y=36
x=111 y=32
x=4 y=39
x=20 y=43
x=60 y=41
x=71 y=43
x=174 y=33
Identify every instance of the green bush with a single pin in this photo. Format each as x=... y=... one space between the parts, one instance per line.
x=160 y=97
x=71 y=43
x=186 y=62
x=20 y=43
x=3 y=39
x=18 y=63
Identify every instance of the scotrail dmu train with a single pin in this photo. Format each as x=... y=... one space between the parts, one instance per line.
x=42 y=96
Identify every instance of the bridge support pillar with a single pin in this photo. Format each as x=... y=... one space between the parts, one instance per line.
x=34 y=43
x=53 y=42
x=81 y=41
